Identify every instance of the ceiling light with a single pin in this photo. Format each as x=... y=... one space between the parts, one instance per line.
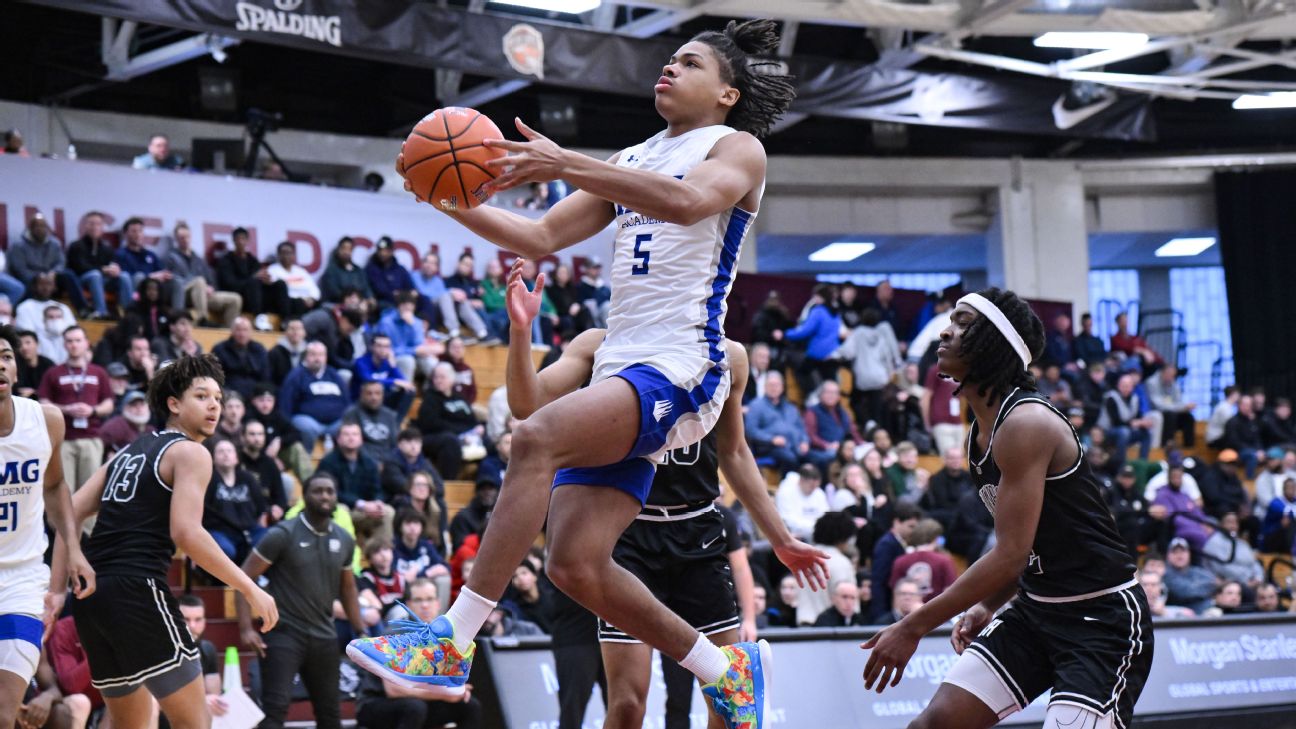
x=1182 y=247
x=1095 y=41
x=574 y=7
x=841 y=251
x=1274 y=100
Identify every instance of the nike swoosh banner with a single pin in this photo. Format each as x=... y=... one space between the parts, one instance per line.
x=423 y=34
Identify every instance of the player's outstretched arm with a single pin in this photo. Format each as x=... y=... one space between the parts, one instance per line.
x=735 y=167
x=808 y=564
x=575 y=218
x=187 y=466
x=528 y=390
x=1024 y=465
x=62 y=516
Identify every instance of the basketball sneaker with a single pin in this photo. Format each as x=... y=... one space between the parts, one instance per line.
x=421 y=658
x=741 y=696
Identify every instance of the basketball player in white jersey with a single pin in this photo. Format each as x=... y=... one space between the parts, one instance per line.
x=31 y=485
x=682 y=202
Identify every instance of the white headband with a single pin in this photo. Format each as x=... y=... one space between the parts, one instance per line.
x=996 y=317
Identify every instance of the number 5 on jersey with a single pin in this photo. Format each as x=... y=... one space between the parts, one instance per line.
x=641 y=254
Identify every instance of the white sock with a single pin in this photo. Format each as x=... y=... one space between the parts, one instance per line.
x=467 y=615
x=706 y=661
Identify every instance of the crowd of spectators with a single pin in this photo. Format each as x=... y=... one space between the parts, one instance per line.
x=330 y=407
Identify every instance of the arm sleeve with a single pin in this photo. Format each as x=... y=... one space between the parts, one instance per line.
x=272 y=545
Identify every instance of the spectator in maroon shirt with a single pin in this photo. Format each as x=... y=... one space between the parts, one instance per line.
x=122 y=430
x=927 y=565
x=942 y=411
x=81 y=390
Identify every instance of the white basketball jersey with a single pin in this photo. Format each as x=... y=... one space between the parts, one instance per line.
x=24 y=456
x=670 y=282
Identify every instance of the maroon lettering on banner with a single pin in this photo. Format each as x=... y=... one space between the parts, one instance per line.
x=4 y=227
x=153 y=231
x=216 y=239
x=54 y=219
x=298 y=237
x=359 y=241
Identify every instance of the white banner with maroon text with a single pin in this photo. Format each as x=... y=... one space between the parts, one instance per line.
x=314 y=218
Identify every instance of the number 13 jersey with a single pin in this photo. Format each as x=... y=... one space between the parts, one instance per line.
x=669 y=281
x=132 y=536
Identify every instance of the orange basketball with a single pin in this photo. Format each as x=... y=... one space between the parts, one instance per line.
x=444 y=161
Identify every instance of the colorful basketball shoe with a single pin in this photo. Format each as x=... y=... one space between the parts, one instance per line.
x=741 y=696
x=421 y=658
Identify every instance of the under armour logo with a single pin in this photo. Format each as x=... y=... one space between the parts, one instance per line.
x=661 y=409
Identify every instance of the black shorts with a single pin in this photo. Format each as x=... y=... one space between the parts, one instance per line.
x=685 y=566
x=1093 y=653
x=134 y=635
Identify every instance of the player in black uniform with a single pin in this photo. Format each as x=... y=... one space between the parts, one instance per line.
x=677 y=545
x=149 y=498
x=1079 y=624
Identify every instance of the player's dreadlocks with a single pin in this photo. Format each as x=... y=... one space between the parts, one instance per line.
x=172 y=379
x=764 y=85
x=993 y=365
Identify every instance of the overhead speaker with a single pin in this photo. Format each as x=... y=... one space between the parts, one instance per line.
x=218 y=89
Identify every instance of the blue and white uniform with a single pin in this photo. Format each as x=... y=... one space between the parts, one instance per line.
x=665 y=332
x=24 y=578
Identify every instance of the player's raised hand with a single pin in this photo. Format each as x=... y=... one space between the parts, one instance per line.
x=808 y=564
x=536 y=160
x=523 y=306
x=892 y=648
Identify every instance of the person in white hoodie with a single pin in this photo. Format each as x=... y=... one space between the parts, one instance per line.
x=299 y=293
x=874 y=355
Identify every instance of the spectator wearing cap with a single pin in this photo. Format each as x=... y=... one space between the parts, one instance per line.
x=159 y=155
x=291 y=291
x=1279 y=464
x=594 y=292
x=79 y=388
x=48 y=318
x=313 y=397
x=378 y=423
x=239 y=272
x=471 y=520
x=38 y=254
x=358 y=485
x=411 y=344
x=31 y=364
x=122 y=430
x=1222 y=489
x=1130 y=508
x=90 y=259
x=1278 y=534
x=342 y=274
x=387 y=277
x=196 y=283
x=1278 y=425
x=1242 y=434
x=1186 y=518
x=845 y=609
x=179 y=341
x=244 y=360
x=448 y=423
x=1186 y=584
x=118 y=383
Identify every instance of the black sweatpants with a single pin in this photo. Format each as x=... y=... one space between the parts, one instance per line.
x=411 y=713
x=578 y=667
x=287 y=654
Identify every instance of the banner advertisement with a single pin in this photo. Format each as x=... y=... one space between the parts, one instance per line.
x=503 y=46
x=1201 y=665
x=313 y=218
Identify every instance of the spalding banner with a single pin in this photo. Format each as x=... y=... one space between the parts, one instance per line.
x=313 y=218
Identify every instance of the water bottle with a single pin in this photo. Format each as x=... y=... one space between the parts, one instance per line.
x=233 y=680
x=71 y=151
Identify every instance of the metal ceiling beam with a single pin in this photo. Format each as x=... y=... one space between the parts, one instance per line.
x=123 y=67
x=1253 y=59
x=1116 y=55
